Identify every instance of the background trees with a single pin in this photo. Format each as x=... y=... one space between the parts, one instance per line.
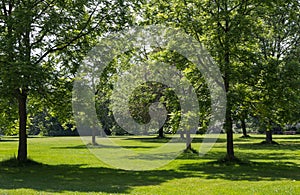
x=251 y=42
x=276 y=91
x=256 y=45
x=224 y=27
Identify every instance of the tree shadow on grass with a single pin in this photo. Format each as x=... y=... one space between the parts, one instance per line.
x=167 y=139
x=150 y=139
x=208 y=140
x=275 y=137
x=274 y=156
x=60 y=178
x=259 y=155
x=99 y=146
x=251 y=171
x=260 y=146
x=290 y=137
x=77 y=178
x=8 y=140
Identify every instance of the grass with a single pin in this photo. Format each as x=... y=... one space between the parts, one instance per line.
x=66 y=166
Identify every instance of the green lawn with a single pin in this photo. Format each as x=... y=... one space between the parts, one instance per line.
x=67 y=166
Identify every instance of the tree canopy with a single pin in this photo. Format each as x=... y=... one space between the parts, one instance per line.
x=42 y=43
x=255 y=44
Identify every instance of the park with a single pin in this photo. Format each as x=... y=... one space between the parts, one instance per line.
x=65 y=165
x=149 y=97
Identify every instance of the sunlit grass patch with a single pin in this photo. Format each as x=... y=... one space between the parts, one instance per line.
x=66 y=165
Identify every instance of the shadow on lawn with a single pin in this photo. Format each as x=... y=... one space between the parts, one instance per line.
x=9 y=140
x=61 y=178
x=100 y=146
x=259 y=146
x=248 y=155
x=251 y=171
x=75 y=178
x=167 y=139
x=275 y=137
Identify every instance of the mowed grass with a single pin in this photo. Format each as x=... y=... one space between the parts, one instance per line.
x=67 y=166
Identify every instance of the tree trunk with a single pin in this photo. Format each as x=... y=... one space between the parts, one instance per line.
x=269 y=138
x=22 y=150
x=188 y=141
x=227 y=74
x=161 y=132
x=228 y=115
x=181 y=134
x=229 y=135
x=94 y=137
x=243 y=123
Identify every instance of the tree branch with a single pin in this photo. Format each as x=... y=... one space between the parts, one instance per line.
x=81 y=34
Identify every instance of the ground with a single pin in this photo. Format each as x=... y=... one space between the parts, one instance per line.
x=68 y=167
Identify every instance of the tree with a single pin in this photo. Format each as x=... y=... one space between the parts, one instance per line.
x=241 y=110
x=141 y=99
x=225 y=28
x=35 y=37
x=278 y=70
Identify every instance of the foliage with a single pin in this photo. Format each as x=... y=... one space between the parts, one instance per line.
x=224 y=28
x=276 y=94
x=46 y=125
x=252 y=42
x=42 y=43
x=143 y=97
x=41 y=46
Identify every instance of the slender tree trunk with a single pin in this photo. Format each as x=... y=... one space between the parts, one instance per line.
x=229 y=135
x=243 y=123
x=269 y=138
x=188 y=141
x=181 y=134
x=22 y=92
x=22 y=150
x=228 y=115
x=145 y=131
x=161 y=132
x=94 y=137
x=227 y=74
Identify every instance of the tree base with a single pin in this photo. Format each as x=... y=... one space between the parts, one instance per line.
x=93 y=144
x=160 y=137
x=247 y=136
x=232 y=161
x=14 y=162
x=190 y=151
x=271 y=143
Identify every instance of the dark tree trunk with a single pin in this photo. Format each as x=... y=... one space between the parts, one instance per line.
x=229 y=135
x=243 y=123
x=22 y=150
x=188 y=141
x=22 y=95
x=161 y=132
x=269 y=138
x=228 y=115
x=227 y=74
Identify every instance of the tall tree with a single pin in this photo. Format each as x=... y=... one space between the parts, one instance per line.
x=276 y=89
x=35 y=37
x=224 y=27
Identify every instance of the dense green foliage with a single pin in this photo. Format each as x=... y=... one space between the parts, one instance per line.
x=255 y=44
x=42 y=44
